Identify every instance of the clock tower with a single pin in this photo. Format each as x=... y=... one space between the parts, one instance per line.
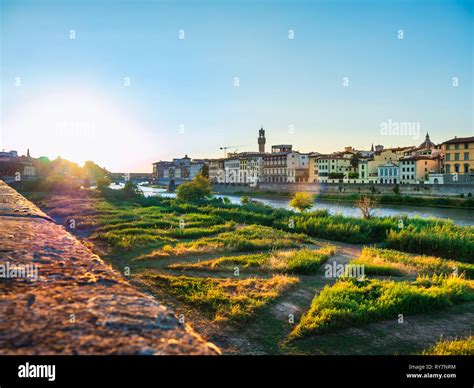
x=261 y=140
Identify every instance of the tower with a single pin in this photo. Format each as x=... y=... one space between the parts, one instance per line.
x=261 y=140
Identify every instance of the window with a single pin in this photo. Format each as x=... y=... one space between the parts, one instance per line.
x=466 y=168
x=447 y=147
x=456 y=156
x=448 y=157
x=448 y=169
x=456 y=168
x=466 y=155
x=466 y=146
x=456 y=146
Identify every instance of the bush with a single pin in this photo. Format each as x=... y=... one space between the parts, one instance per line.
x=351 y=301
x=198 y=189
x=456 y=347
x=302 y=201
x=390 y=262
x=445 y=240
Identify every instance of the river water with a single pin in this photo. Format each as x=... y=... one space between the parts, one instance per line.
x=463 y=217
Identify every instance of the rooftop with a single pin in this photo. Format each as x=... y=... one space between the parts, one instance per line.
x=460 y=140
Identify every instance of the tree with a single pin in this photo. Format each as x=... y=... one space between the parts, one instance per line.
x=93 y=172
x=102 y=182
x=205 y=171
x=198 y=189
x=367 y=205
x=245 y=199
x=355 y=160
x=302 y=201
x=131 y=190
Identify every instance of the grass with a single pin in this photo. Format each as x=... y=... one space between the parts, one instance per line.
x=450 y=241
x=302 y=261
x=351 y=302
x=454 y=347
x=245 y=239
x=220 y=299
x=109 y=212
x=387 y=262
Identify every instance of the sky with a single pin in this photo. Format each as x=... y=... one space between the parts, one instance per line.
x=128 y=83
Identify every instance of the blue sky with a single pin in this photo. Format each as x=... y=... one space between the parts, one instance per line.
x=73 y=99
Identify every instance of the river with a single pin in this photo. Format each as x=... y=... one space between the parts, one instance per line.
x=463 y=217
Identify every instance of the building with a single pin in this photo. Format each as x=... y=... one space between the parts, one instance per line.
x=232 y=170
x=216 y=170
x=20 y=167
x=313 y=171
x=7 y=156
x=283 y=165
x=298 y=167
x=388 y=173
x=459 y=160
x=250 y=167
x=418 y=168
x=333 y=167
x=180 y=169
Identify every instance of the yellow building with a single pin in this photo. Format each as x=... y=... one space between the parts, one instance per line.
x=313 y=168
x=459 y=158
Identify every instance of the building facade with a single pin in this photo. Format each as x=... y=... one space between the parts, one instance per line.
x=459 y=160
x=180 y=169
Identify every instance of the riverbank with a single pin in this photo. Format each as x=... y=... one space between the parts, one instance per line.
x=384 y=199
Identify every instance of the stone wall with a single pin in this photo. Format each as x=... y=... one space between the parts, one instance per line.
x=446 y=190
x=77 y=304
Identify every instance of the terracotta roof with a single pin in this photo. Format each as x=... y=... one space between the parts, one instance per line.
x=460 y=140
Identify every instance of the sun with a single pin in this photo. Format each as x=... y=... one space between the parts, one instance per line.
x=77 y=124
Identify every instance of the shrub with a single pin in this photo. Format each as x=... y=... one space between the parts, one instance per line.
x=303 y=261
x=350 y=301
x=221 y=299
x=302 y=201
x=456 y=347
x=198 y=189
x=445 y=240
x=390 y=262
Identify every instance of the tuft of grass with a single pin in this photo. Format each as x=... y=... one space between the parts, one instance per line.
x=351 y=302
x=388 y=262
x=220 y=299
x=246 y=239
x=454 y=347
x=445 y=240
x=302 y=261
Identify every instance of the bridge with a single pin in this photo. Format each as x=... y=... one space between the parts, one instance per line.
x=135 y=177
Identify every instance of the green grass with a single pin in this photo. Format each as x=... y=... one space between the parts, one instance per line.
x=445 y=240
x=220 y=299
x=303 y=261
x=245 y=239
x=387 y=262
x=108 y=212
x=456 y=347
x=351 y=302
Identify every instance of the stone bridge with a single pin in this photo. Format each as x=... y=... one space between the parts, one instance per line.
x=58 y=297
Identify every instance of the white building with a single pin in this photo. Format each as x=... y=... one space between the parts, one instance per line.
x=389 y=173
